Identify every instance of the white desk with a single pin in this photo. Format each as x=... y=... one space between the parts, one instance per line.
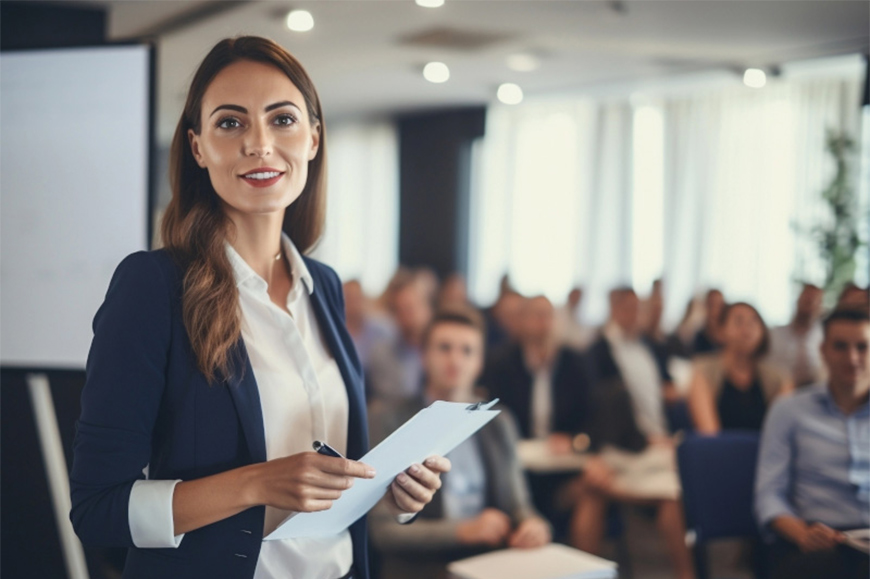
x=535 y=456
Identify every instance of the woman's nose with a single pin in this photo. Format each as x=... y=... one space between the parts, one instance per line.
x=257 y=141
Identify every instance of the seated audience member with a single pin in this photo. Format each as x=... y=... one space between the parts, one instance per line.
x=795 y=347
x=813 y=478
x=733 y=388
x=644 y=472
x=574 y=334
x=854 y=296
x=503 y=320
x=651 y=311
x=483 y=503
x=544 y=384
x=707 y=339
x=366 y=330
x=681 y=341
x=453 y=292
x=623 y=352
x=395 y=366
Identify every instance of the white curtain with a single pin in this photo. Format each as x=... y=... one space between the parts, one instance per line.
x=551 y=200
x=362 y=227
x=702 y=187
x=743 y=167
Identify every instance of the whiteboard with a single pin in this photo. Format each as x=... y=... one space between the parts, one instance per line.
x=74 y=150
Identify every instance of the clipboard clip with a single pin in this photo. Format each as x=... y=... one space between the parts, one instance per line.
x=482 y=405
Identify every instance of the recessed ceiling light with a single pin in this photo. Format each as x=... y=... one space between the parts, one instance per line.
x=510 y=94
x=300 y=20
x=754 y=78
x=430 y=3
x=523 y=62
x=436 y=72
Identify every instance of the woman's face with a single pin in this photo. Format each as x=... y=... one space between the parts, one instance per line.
x=742 y=330
x=256 y=138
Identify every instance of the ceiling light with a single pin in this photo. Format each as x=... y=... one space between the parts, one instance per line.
x=436 y=72
x=300 y=20
x=430 y=3
x=754 y=78
x=523 y=62
x=510 y=94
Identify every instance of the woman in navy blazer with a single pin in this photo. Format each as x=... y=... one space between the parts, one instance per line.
x=170 y=386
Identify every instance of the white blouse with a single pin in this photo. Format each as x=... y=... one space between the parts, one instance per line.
x=303 y=399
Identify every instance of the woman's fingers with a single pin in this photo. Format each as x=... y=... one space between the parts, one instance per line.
x=404 y=500
x=414 y=488
x=437 y=463
x=342 y=466
x=426 y=477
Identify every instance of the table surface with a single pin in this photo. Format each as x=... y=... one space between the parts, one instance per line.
x=535 y=456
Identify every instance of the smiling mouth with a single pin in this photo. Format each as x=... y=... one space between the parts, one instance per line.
x=262 y=175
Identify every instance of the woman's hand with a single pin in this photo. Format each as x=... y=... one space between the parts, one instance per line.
x=597 y=475
x=414 y=488
x=491 y=527
x=532 y=532
x=305 y=482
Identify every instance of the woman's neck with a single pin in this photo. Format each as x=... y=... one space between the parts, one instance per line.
x=737 y=364
x=257 y=239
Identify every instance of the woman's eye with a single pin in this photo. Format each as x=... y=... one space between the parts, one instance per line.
x=229 y=123
x=284 y=120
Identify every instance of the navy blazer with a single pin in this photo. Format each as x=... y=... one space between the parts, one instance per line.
x=146 y=403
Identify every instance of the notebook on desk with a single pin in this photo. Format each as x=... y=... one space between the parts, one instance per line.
x=553 y=561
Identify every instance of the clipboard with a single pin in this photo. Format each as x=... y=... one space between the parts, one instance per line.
x=435 y=430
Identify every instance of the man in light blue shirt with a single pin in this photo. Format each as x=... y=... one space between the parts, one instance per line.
x=813 y=479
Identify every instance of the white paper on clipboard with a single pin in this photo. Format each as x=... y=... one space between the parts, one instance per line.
x=435 y=430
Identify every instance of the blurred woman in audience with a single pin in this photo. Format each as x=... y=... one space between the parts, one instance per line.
x=708 y=338
x=733 y=388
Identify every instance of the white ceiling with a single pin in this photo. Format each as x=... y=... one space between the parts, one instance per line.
x=361 y=67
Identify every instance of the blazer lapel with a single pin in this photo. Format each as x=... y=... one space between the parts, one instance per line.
x=246 y=397
x=357 y=440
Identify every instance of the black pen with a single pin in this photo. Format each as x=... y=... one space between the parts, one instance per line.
x=325 y=449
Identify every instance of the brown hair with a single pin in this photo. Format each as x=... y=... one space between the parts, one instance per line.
x=764 y=344
x=195 y=226
x=852 y=314
x=462 y=315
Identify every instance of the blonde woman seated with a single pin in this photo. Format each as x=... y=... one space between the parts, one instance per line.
x=734 y=387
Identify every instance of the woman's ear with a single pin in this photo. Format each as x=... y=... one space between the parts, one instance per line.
x=193 y=138
x=315 y=141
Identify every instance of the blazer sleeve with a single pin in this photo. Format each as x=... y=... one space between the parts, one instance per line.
x=125 y=379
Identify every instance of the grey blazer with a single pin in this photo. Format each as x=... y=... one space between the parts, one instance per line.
x=423 y=548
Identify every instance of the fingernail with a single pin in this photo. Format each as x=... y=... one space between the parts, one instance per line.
x=403 y=478
x=370 y=472
x=429 y=462
x=414 y=469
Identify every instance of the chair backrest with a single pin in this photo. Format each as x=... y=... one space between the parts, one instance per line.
x=718 y=478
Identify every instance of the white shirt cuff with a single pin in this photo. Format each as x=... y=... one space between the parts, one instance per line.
x=150 y=514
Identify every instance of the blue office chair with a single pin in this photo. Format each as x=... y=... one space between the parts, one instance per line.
x=718 y=477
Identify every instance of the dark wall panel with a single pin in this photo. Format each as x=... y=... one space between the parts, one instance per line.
x=26 y=25
x=435 y=157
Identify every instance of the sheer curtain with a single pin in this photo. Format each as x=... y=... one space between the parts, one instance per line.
x=551 y=200
x=743 y=168
x=362 y=219
x=703 y=187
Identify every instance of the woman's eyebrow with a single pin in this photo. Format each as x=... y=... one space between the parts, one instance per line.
x=243 y=110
